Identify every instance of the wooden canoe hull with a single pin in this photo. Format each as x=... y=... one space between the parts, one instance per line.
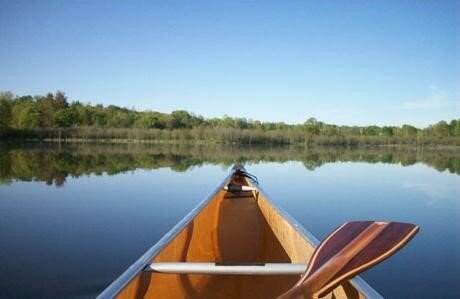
x=243 y=227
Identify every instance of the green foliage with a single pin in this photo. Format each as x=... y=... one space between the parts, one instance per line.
x=371 y=131
x=151 y=120
x=456 y=128
x=180 y=119
x=441 y=129
x=408 y=131
x=46 y=107
x=312 y=126
x=387 y=131
x=52 y=115
x=29 y=117
x=65 y=117
x=6 y=99
x=60 y=100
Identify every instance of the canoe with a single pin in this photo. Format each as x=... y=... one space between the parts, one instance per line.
x=235 y=244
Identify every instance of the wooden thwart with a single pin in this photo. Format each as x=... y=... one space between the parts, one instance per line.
x=228 y=269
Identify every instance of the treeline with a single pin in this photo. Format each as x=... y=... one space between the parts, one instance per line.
x=53 y=163
x=52 y=116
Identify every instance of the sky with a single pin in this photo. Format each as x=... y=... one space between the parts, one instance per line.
x=342 y=62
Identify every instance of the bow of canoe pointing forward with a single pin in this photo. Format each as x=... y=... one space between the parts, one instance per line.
x=238 y=244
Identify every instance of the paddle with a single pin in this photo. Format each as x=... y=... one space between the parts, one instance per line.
x=346 y=252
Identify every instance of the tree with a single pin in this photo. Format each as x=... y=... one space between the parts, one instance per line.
x=99 y=119
x=409 y=131
x=441 y=129
x=387 y=131
x=226 y=122
x=151 y=120
x=329 y=130
x=181 y=119
x=29 y=117
x=65 y=117
x=120 y=119
x=457 y=129
x=6 y=99
x=83 y=114
x=60 y=100
x=54 y=110
x=46 y=107
x=312 y=126
x=371 y=130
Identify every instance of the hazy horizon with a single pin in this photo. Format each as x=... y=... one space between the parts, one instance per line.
x=359 y=63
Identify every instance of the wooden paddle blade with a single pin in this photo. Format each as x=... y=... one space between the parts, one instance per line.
x=349 y=250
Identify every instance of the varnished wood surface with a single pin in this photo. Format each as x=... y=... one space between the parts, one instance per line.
x=232 y=228
x=350 y=249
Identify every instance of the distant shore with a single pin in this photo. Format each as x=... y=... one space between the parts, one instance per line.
x=210 y=136
x=355 y=143
x=52 y=117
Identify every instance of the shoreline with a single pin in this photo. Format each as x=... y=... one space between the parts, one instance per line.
x=363 y=144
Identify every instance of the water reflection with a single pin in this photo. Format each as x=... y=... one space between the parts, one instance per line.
x=53 y=163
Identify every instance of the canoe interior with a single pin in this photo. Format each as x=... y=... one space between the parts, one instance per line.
x=232 y=228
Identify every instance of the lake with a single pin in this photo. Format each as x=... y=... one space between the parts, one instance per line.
x=73 y=217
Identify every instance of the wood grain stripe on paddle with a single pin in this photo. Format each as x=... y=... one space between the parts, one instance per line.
x=327 y=271
x=349 y=250
x=381 y=248
x=334 y=242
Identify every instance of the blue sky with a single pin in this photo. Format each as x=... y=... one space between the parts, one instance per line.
x=344 y=62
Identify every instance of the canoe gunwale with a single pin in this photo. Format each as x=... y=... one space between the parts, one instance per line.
x=360 y=284
x=129 y=274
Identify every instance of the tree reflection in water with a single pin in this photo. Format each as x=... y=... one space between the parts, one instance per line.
x=52 y=163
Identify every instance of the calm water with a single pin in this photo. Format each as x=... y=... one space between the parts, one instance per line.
x=72 y=218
